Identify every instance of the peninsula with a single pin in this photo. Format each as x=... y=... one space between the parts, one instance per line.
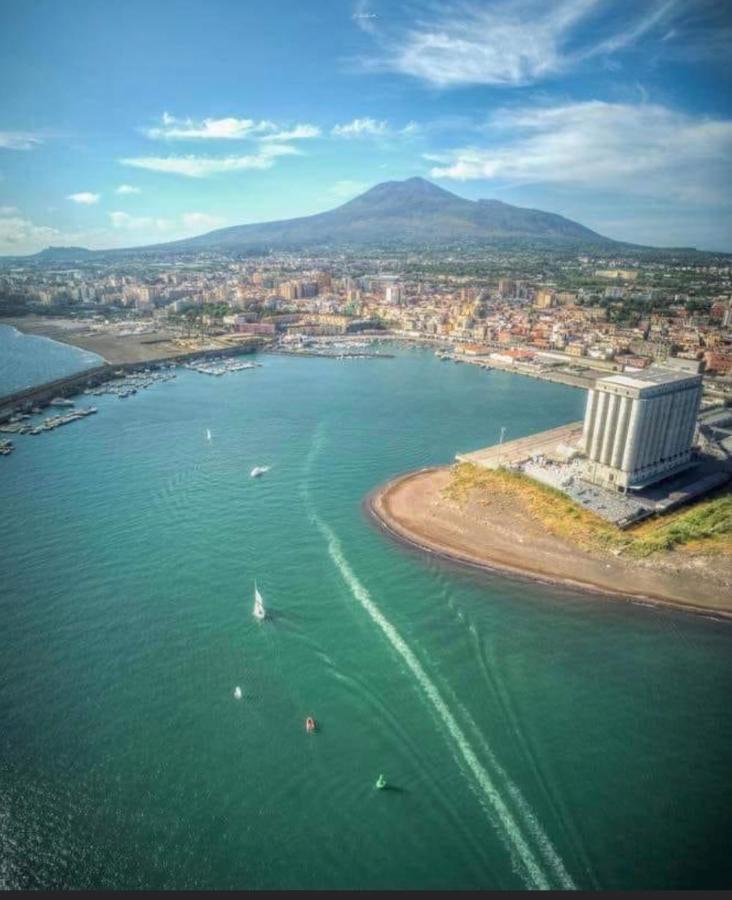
x=502 y=521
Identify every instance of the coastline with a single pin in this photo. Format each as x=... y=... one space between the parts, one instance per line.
x=112 y=348
x=412 y=510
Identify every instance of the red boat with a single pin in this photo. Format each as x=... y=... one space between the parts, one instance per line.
x=309 y=725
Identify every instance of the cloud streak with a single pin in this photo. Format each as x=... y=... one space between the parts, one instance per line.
x=508 y=43
x=84 y=198
x=228 y=128
x=365 y=127
x=19 y=140
x=645 y=149
x=193 y=166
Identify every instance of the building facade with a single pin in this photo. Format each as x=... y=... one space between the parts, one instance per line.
x=640 y=428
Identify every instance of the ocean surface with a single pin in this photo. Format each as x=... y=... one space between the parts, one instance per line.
x=29 y=359
x=531 y=736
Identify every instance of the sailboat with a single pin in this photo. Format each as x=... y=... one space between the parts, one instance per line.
x=259 y=612
x=208 y=434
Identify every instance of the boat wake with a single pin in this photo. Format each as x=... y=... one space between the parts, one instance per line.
x=526 y=861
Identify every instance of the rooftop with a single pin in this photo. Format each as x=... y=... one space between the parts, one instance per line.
x=650 y=377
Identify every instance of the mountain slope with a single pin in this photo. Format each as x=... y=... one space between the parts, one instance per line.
x=401 y=212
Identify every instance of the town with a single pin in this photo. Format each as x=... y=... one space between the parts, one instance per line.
x=591 y=313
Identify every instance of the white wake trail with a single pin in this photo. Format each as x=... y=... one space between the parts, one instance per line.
x=511 y=832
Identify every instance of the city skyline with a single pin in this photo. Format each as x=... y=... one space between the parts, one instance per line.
x=131 y=126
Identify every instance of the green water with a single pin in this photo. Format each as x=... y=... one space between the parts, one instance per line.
x=534 y=737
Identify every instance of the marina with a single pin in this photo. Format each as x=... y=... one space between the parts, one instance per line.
x=220 y=367
x=49 y=424
x=123 y=385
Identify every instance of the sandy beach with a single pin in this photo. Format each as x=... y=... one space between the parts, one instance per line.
x=501 y=536
x=113 y=348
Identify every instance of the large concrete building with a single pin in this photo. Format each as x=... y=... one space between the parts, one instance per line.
x=640 y=428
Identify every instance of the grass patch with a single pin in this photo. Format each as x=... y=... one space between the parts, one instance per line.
x=703 y=527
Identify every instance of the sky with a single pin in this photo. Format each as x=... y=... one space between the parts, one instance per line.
x=126 y=123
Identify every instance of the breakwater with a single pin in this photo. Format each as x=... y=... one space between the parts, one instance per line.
x=91 y=378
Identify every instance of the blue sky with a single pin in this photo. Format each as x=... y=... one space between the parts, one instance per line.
x=127 y=122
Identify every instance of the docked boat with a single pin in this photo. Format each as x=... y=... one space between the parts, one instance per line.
x=259 y=612
x=258 y=470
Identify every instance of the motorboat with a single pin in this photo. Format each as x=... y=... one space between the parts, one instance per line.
x=258 y=470
x=310 y=724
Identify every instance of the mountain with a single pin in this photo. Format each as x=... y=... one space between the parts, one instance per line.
x=408 y=212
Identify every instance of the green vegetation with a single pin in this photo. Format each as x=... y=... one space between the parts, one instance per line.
x=705 y=526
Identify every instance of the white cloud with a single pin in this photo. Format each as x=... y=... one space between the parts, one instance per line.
x=199 y=220
x=127 y=189
x=509 y=42
x=18 y=140
x=297 y=132
x=19 y=235
x=125 y=221
x=187 y=222
x=85 y=198
x=205 y=166
x=644 y=148
x=361 y=128
x=228 y=128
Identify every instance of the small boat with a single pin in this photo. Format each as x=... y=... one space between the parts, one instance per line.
x=259 y=612
x=258 y=470
x=208 y=434
x=310 y=724
x=380 y=783
x=237 y=693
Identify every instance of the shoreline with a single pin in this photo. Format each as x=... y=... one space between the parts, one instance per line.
x=400 y=527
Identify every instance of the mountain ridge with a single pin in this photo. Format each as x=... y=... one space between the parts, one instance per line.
x=414 y=210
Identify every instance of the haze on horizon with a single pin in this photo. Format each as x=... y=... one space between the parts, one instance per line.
x=130 y=124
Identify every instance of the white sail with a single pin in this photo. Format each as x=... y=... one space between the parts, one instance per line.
x=259 y=612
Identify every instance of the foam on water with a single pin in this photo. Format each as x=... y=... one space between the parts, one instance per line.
x=510 y=832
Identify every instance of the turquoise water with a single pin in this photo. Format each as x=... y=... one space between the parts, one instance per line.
x=534 y=737
x=27 y=360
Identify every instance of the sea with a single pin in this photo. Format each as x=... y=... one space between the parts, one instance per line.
x=531 y=736
x=29 y=359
